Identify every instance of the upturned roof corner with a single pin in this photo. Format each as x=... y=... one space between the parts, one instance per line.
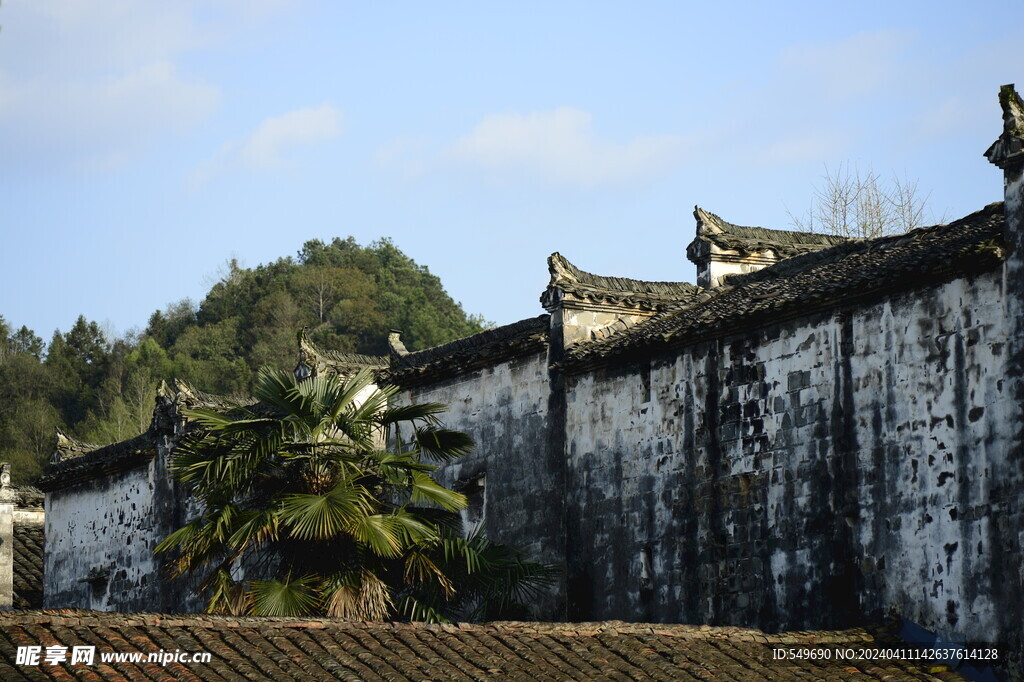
x=711 y=229
x=66 y=447
x=566 y=278
x=707 y=222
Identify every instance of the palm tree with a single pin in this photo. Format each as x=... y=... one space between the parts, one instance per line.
x=305 y=510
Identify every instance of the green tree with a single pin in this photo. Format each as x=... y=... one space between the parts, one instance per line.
x=212 y=357
x=408 y=296
x=25 y=341
x=165 y=327
x=300 y=491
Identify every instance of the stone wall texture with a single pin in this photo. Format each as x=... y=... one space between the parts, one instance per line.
x=814 y=473
x=100 y=538
x=513 y=477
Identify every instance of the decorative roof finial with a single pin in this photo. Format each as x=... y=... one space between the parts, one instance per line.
x=1008 y=151
x=6 y=490
x=398 y=348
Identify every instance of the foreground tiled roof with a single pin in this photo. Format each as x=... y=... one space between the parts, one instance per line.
x=618 y=291
x=320 y=649
x=471 y=353
x=748 y=240
x=28 y=565
x=850 y=272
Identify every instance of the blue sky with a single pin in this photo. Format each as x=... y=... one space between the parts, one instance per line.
x=142 y=144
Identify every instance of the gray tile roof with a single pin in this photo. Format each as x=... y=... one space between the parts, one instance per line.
x=336 y=362
x=470 y=353
x=27 y=497
x=74 y=461
x=103 y=460
x=842 y=274
x=747 y=240
x=29 y=539
x=618 y=291
x=323 y=649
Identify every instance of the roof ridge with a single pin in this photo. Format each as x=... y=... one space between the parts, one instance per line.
x=184 y=393
x=477 y=340
x=709 y=220
x=805 y=261
x=308 y=349
x=70 y=447
x=472 y=352
x=830 y=276
x=74 y=616
x=564 y=274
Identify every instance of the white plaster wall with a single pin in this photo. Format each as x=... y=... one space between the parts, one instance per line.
x=107 y=525
x=505 y=408
x=803 y=473
x=932 y=395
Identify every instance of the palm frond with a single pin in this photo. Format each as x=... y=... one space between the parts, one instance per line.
x=256 y=527
x=416 y=610
x=228 y=596
x=288 y=597
x=411 y=413
x=275 y=390
x=420 y=568
x=317 y=517
x=444 y=445
x=227 y=423
x=343 y=603
x=345 y=396
x=380 y=533
x=375 y=601
x=426 y=490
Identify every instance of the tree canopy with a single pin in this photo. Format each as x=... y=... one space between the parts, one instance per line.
x=102 y=389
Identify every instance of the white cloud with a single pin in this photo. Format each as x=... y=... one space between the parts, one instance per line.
x=559 y=147
x=268 y=146
x=86 y=84
x=100 y=123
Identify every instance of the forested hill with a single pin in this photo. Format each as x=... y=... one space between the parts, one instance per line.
x=102 y=390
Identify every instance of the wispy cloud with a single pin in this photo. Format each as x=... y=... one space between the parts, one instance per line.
x=89 y=85
x=559 y=147
x=267 y=148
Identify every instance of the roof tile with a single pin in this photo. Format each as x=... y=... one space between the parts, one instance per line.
x=29 y=539
x=617 y=291
x=841 y=274
x=318 y=649
x=470 y=353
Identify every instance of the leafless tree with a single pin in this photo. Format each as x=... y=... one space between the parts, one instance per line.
x=851 y=204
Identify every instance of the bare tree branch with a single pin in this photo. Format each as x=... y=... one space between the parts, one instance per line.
x=861 y=205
